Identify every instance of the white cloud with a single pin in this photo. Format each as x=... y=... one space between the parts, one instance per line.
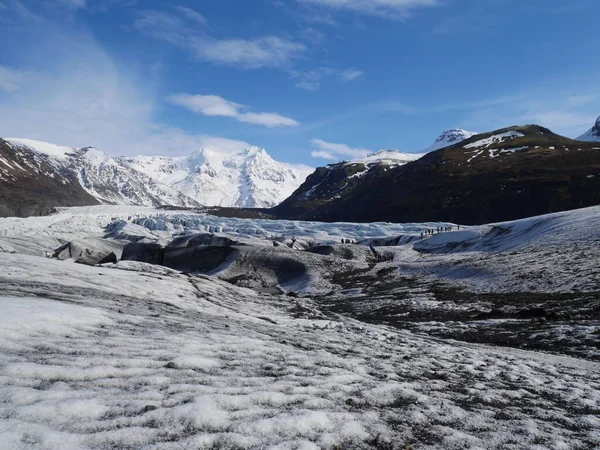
x=269 y=51
x=25 y=12
x=312 y=35
x=334 y=151
x=222 y=145
x=393 y=9
x=582 y=99
x=194 y=15
x=208 y=105
x=265 y=51
x=351 y=74
x=82 y=97
x=213 y=105
x=267 y=119
x=559 y=121
x=311 y=80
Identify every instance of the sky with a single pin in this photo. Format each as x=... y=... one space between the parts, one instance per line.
x=311 y=81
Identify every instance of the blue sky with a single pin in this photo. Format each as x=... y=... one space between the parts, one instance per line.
x=309 y=80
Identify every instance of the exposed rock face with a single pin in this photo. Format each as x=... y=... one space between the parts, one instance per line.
x=144 y=252
x=31 y=184
x=329 y=183
x=199 y=258
x=91 y=251
x=506 y=174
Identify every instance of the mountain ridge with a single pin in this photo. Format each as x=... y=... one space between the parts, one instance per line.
x=103 y=177
x=505 y=174
x=249 y=178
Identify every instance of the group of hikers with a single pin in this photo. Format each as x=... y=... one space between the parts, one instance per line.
x=432 y=231
x=348 y=241
x=381 y=257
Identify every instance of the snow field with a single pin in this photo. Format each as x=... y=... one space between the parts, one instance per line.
x=136 y=358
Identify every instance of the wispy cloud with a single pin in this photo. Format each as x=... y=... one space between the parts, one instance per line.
x=192 y=14
x=75 y=4
x=213 y=105
x=312 y=79
x=264 y=51
x=312 y=35
x=24 y=12
x=85 y=97
x=560 y=120
x=334 y=151
x=351 y=74
x=392 y=9
x=567 y=112
x=208 y=105
x=11 y=79
x=267 y=119
x=269 y=51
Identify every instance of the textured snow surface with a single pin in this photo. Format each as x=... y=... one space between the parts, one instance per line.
x=550 y=253
x=159 y=360
x=144 y=357
x=79 y=222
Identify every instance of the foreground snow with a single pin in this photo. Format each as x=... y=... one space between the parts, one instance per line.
x=155 y=359
x=131 y=355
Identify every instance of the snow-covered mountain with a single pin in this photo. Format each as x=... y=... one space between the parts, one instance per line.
x=103 y=177
x=249 y=179
x=448 y=138
x=593 y=134
x=326 y=184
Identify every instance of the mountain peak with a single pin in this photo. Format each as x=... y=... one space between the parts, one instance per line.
x=384 y=152
x=246 y=178
x=450 y=137
x=253 y=149
x=593 y=134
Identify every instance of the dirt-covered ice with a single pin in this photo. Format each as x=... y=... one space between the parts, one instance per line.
x=138 y=356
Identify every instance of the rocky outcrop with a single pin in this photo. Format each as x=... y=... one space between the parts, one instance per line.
x=91 y=251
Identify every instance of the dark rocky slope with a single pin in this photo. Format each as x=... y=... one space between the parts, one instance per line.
x=31 y=185
x=507 y=174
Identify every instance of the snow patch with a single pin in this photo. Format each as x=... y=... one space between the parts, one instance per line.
x=495 y=139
